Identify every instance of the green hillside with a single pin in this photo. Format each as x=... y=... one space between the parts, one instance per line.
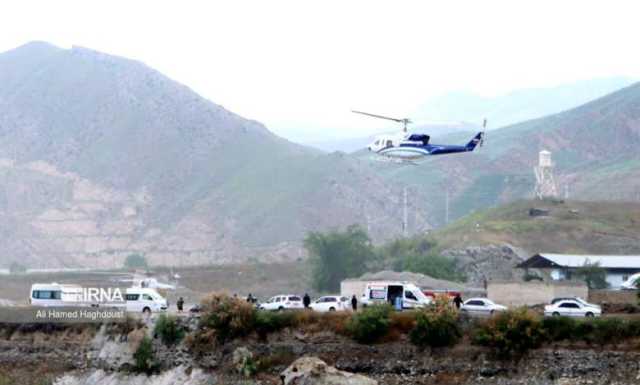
x=568 y=227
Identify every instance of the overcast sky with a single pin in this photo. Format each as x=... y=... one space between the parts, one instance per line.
x=301 y=66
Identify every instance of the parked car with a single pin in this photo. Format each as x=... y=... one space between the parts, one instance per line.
x=481 y=306
x=283 y=302
x=572 y=308
x=578 y=299
x=330 y=303
x=387 y=292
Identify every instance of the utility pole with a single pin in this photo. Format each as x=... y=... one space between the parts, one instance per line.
x=446 y=206
x=404 y=214
x=566 y=191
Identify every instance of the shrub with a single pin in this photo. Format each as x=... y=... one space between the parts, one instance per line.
x=513 y=332
x=608 y=330
x=371 y=324
x=229 y=317
x=437 y=327
x=244 y=362
x=559 y=328
x=168 y=329
x=267 y=322
x=403 y=322
x=143 y=357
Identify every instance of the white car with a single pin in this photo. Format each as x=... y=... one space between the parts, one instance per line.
x=283 y=302
x=572 y=308
x=330 y=303
x=577 y=299
x=481 y=306
x=144 y=300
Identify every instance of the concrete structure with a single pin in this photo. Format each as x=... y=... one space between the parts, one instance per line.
x=351 y=287
x=563 y=266
x=533 y=293
x=613 y=296
x=545 y=182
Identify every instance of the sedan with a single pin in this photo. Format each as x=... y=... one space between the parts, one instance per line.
x=481 y=306
x=572 y=308
x=330 y=303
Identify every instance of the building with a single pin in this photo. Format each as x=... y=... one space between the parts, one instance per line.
x=562 y=266
x=512 y=293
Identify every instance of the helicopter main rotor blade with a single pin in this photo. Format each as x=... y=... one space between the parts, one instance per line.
x=382 y=117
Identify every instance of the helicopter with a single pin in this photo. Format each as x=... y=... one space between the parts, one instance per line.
x=409 y=147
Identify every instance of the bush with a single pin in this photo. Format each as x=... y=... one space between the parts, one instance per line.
x=559 y=328
x=511 y=333
x=228 y=317
x=608 y=330
x=437 y=327
x=168 y=329
x=371 y=324
x=143 y=357
x=267 y=322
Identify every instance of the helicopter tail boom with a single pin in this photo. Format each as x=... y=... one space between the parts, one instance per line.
x=475 y=141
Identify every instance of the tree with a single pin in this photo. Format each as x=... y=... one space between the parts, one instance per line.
x=594 y=276
x=337 y=255
x=419 y=255
x=135 y=261
x=17 y=268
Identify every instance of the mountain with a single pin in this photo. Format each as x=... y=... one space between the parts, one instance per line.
x=594 y=146
x=102 y=157
x=518 y=105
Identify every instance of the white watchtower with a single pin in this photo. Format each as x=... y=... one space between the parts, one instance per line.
x=545 y=183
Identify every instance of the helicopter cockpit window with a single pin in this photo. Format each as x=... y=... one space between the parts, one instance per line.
x=389 y=144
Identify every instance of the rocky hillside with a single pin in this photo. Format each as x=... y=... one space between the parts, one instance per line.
x=104 y=156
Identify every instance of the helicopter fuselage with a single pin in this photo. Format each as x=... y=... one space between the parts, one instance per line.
x=416 y=146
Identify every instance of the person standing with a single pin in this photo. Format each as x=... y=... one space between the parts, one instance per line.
x=180 y=304
x=457 y=300
x=306 y=300
x=354 y=303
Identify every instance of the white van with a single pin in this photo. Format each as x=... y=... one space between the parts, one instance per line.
x=145 y=300
x=55 y=294
x=383 y=291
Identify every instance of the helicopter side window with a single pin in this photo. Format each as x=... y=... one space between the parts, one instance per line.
x=389 y=144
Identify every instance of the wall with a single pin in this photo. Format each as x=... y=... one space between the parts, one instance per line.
x=533 y=293
x=613 y=296
x=352 y=287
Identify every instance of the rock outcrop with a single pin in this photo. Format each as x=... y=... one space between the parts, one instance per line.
x=314 y=371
